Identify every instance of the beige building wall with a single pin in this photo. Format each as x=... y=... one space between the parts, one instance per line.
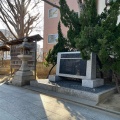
x=51 y=24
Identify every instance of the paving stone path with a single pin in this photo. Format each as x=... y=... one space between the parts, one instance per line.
x=21 y=104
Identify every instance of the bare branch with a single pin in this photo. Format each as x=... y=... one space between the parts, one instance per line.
x=2 y=37
x=30 y=22
x=17 y=6
x=36 y=3
x=50 y=3
x=16 y=15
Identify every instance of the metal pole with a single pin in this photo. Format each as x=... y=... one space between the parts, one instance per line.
x=10 y=62
x=35 y=56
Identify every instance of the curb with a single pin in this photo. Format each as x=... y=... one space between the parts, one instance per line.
x=75 y=102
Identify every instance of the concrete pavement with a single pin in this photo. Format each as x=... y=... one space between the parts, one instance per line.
x=21 y=104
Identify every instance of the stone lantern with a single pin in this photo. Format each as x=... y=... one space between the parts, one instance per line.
x=24 y=74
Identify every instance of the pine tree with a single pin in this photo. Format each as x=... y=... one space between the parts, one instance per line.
x=94 y=33
x=109 y=41
x=70 y=20
x=87 y=37
x=101 y=34
x=61 y=46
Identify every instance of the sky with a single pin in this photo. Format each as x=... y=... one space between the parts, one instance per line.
x=41 y=10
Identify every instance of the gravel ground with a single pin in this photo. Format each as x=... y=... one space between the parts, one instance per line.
x=77 y=85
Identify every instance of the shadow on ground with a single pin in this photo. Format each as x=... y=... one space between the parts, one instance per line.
x=17 y=103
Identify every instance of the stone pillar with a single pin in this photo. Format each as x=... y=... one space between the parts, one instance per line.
x=91 y=80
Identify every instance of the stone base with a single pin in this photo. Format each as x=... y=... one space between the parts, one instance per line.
x=54 y=78
x=22 y=78
x=93 y=83
x=78 y=95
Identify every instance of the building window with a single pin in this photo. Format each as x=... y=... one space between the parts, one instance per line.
x=53 y=13
x=53 y=38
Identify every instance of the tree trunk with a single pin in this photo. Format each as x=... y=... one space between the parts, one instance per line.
x=50 y=70
x=116 y=82
x=110 y=74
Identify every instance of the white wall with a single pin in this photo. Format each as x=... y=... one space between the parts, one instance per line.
x=118 y=19
x=101 y=6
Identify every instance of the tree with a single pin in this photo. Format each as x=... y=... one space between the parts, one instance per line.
x=70 y=19
x=110 y=42
x=2 y=37
x=61 y=46
x=17 y=16
x=88 y=19
x=95 y=33
x=100 y=34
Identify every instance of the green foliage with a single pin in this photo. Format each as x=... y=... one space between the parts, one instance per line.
x=89 y=15
x=61 y=46
x=101 y=34
x=70 y=19
x=95 y=33
x=87 y=36
x=109 y=52
x=91 y=33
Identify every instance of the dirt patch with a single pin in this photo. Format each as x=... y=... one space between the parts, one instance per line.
x=4 y=78
x=111 y=103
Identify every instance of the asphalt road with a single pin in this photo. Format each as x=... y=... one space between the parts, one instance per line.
x=17 y=103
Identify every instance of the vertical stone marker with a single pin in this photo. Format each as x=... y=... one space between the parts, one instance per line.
x=91 y=80
x=24 y=74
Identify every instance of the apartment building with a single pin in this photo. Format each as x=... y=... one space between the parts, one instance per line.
x=52 y=17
